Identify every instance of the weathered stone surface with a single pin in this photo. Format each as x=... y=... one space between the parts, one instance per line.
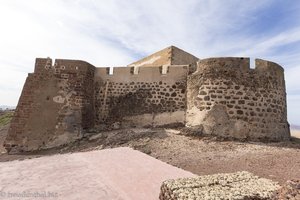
x=233 y=186
x=139 y=100
x=55 y=106
x=253 y=101
x=60 y=101
x=290 y=190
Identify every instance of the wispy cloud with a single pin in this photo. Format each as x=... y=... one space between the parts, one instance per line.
x=117 y=32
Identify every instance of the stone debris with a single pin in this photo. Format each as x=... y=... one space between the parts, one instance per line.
x=232 y=186
x=290 y=190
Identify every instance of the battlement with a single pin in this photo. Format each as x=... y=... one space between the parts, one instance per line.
x=224 y=63
x=151 y=73
x=46 y=65
x=268 y=68
x=241 y=64
x=142 y=74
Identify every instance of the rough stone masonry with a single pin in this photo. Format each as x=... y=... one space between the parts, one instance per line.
x=63 y=99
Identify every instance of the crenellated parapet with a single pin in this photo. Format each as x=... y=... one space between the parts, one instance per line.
x=60 y=66
x=145 y=74
x=239 y=64
x=271 y=70
x=239 y=70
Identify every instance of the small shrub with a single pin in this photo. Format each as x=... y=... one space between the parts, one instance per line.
x=5 y=118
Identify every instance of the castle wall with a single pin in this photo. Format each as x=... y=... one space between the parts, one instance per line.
x=55 y=105
x=223 y=96
x=227 y=98
x=145 y=96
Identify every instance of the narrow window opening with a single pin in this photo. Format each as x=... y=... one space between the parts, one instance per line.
x=252 y=63
x=111 y=71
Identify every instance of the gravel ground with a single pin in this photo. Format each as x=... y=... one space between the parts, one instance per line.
x=199 y=155
x=290 y=190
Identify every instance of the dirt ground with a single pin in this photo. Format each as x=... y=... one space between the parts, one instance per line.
x=295 y=133
x=199 y=155
x=3 y=131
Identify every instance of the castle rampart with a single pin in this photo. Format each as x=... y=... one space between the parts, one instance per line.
x=153 y=96
x=60 y=101
x=228 y=98
x=55 y=106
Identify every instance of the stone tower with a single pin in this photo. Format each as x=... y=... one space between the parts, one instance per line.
x=227 y=98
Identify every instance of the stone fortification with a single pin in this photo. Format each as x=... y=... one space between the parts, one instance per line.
x=148 y=96
x=55 y=106
x=227 y=98
x=60 y=101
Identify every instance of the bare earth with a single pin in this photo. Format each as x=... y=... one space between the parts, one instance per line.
x=199 y=155
x=295 y=133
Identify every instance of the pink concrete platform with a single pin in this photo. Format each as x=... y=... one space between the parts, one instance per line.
x=120 y=173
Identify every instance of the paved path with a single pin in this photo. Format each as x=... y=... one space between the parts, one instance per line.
x=120 y=173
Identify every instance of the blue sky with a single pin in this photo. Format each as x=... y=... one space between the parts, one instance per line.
x=118 y=32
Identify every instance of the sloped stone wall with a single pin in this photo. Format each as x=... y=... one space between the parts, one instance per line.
x=56 y=104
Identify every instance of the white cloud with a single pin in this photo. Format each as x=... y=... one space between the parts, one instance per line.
x=40 y=29
x=293 y=109
x=116 y=32
x=292 y=76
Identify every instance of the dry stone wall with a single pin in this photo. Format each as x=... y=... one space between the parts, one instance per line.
x=146 y=96
x=227 y=98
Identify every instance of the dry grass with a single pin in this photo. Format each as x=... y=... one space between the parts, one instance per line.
x=5 y=118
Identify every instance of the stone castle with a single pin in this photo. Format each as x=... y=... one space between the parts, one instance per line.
x=63 y=99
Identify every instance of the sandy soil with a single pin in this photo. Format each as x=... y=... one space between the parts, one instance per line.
x=199 y=155
x=295 y=133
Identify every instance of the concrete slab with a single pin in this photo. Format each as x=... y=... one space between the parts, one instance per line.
x=117 y=174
